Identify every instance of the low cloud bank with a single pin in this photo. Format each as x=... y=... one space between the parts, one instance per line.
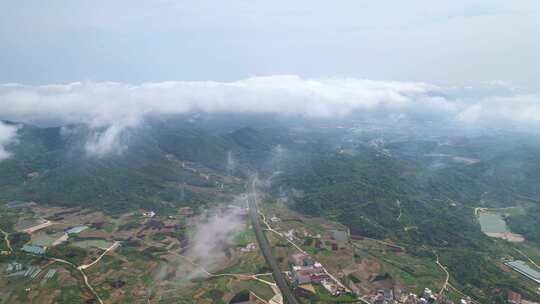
x=7 y=136
x=112 y=107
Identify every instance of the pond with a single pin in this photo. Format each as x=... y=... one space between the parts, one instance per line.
x=492 y=223
x=339 y=235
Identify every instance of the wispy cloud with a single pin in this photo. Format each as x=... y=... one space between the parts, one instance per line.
x=212 y=235
x=7 y=135
x=101 y=143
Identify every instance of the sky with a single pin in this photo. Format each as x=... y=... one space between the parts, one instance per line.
x=109 y=64
x=442 y=42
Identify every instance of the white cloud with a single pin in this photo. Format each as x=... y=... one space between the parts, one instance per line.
x=110 y=107
x=7 y=135
x=105 y=142
x=102 y=104
x=509 y=110
x=206 y=252
x=212 y=235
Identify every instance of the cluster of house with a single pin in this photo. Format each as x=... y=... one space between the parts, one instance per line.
x=149 y=214
x=34 y=249
x=524 y=269
x=305 y=271
x=15 y=269
x=39 y=250
x=516 y=298
x=20 y=204
x=427 y=297
x=387 y=296
x=249 y=248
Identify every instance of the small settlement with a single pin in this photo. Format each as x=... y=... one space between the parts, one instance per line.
x=305 y=272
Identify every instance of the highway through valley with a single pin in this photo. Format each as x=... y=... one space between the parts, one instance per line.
x=288 y=295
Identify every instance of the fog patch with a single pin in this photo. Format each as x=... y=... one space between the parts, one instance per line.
x=231 y=164
x=101 y=143
x=215 y=231
x=213 y=234
x=8 y=135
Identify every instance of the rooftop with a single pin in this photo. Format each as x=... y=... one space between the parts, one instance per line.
x=524 y=269
x=76 y=229
x=33 y=249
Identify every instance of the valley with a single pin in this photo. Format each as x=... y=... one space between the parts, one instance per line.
x=270 y=152
x=175 y=225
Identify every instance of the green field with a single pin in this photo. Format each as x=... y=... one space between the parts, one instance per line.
x=102 y=244
x=260 y=289
x=44 y=239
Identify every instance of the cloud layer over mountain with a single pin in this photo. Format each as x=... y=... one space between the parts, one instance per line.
x=113 y=107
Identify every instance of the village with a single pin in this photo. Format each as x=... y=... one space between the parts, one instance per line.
x=52 y=244
x=320 y=259
x=305 y=272
x=321 y=245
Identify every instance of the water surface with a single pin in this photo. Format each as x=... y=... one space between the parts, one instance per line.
x=492 y=223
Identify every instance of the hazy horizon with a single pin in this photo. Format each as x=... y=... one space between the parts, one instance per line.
x=452 y=43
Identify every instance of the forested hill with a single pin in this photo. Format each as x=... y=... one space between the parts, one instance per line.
x=426 y=205
x=361 y=188
x=162 y=164
x=368 y=191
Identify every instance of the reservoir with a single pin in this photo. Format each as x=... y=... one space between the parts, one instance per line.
x=492 y=223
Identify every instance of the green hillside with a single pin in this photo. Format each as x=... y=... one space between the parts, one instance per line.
x=50 y=165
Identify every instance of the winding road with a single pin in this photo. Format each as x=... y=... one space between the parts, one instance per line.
x=445 y=271
x=528 y=258
x=269 y=228
x=113 y=246
x=265 y=246
x=6 y=238
x=85 y=278
x=79 y=269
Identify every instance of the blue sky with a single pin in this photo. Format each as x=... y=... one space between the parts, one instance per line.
x=442 y=42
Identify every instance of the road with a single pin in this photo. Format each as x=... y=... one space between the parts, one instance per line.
x=6 y=238
x=276 y=299
x=113 y=246
x=85 y=278
x=45 y=224
x=400 y=213
x=445 y=271
x=265 y=246
x=269 y=228
x=528 y=258
x=461 y=293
